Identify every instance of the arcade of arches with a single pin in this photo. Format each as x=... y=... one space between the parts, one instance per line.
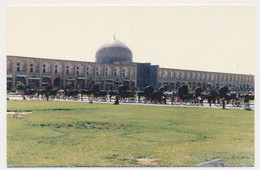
x=39 y=71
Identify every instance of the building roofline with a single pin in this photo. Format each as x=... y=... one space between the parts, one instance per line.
x=131 y=63
x=63 y=60
x=49 y=58
x=205 y=71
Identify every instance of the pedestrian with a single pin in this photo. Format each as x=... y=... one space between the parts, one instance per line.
x=222 y=93
x=91 y=98
x=48 y=91
x=246 y=101
x=117 y=100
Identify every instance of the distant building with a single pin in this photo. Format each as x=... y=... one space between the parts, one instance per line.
x=114 y=66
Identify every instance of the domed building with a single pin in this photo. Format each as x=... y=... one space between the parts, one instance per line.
x=114 y=66
x=114 y=51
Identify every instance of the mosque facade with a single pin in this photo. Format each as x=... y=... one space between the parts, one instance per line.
x=114 y=66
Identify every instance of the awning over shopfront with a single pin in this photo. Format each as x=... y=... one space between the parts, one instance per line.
x=81 y=78
x=34 y=78
x=21 y=75
x=47 y=76
x=70 y=79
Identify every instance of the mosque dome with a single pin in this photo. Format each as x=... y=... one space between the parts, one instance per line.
x=113 y=51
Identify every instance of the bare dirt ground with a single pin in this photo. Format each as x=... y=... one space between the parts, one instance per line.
x=147 y=161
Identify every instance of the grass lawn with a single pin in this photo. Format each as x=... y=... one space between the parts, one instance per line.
x=82 y=134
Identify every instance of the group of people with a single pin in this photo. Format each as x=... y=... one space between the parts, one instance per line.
x=223 y=92
x=183 y=91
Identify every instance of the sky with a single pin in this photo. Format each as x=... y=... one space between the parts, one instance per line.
x=218 y=38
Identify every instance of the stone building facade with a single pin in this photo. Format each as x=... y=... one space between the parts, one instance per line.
x=174 y=78
x=38 y=71
x=113 y=67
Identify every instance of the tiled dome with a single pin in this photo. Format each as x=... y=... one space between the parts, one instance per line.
x=113 y=51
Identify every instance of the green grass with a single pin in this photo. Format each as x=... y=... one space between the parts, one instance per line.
x=83 y=134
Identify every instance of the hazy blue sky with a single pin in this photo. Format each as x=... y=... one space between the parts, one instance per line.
x=210 y=37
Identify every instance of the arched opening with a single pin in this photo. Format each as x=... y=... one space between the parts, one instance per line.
x=34 y=81
x=194 y=85
x=178 y=84
x=189 y=83
x=70 y=82
x=204 y=86
x=58 y=82
x=46 y=81
x=172 y=85
x=81 y=82
x=20 y=82
x=217 y=86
